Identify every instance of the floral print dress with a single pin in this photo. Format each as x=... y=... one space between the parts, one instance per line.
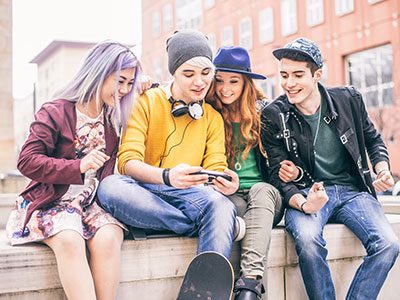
x=76 y=210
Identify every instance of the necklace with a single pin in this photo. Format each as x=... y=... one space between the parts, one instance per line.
x=237 y=146
x=88 y=113
x=238 y=166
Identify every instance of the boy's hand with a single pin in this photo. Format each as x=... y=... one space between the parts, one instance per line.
x=384 y=181
x=288 y=171
x=316 y=198
x=181 y=176
x=145 y=83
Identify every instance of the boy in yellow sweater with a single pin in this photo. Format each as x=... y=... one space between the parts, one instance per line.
x=172 y=133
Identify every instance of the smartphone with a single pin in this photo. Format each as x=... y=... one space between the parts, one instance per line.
x=213 y=174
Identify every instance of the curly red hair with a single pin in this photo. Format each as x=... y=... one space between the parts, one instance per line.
x=246 y=107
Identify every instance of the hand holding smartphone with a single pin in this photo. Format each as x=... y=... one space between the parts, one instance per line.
x=213 y=174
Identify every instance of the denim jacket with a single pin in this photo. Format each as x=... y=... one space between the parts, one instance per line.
x=286 y=135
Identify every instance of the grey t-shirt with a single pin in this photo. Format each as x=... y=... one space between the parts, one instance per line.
x=331 y=164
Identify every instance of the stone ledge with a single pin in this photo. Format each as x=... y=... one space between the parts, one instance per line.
x=153 y=268
x=6 y=203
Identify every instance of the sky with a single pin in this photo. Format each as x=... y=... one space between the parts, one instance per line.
x=36 y=23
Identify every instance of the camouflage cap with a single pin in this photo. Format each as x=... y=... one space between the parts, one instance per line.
x=301 y=45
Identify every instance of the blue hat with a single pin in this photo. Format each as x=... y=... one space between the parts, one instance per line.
x=301 y=45
x=235 y=59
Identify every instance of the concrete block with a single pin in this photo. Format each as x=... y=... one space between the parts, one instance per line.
x=6 y=203
x=274 y=283
x=154 y=268
x=294 y=287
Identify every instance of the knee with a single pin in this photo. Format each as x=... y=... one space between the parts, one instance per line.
x=308 y=240
x=108 y=242
x=263 y=194
x=110 y=190
x=106 y=187
x=220 y=205
x=394 y=248
x=389 y=247
x=305 y=238
x=69 y=244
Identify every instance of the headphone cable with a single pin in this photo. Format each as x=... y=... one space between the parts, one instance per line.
x=180 y=142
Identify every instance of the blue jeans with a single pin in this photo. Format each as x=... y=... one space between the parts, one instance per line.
x=194 y=211
x=364 y=216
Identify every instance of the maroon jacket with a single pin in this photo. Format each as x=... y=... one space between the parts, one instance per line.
x=48 y=155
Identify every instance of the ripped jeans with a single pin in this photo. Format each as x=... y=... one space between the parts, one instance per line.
x=364 y=216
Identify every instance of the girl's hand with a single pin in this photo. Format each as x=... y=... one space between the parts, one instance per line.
x=94 y=160
x=224 y=186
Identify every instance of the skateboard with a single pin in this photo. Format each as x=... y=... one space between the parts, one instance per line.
x=209 y=277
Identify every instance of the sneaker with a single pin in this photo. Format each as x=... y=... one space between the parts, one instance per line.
x=248 y=289
x=240 y=229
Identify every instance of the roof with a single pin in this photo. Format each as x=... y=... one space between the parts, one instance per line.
x=57 y=44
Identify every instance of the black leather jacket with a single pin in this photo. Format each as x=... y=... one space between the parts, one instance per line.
x=286 y=135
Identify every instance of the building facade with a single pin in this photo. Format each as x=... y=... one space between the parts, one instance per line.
x=359 y=40
x=24 y=110
x=56 y=65
x=7 y=152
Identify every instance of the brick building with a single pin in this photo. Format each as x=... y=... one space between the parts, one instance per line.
x=359 y=39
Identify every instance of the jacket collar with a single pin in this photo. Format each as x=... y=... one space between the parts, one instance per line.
x=331 y=112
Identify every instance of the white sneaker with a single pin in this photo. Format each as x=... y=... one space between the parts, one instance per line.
x=240 y=229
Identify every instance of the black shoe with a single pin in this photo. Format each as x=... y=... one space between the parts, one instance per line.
x=248 y=289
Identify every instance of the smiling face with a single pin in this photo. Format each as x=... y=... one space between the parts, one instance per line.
x=228 y=86
x=298 y=83
x=109 y=93
x=191 y=83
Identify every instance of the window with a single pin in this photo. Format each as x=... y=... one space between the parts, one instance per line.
x=157 y=70
x=246 y=33
x=266 y=23
x=324 y=78
x=227 y=36
x=315 y=12
x=168 y=19
x=268 y=87
x=288 y=17
x=343 y=7
x=189 y=14
x=371 y=72
x=156 y=24
x=213 y=42
x=209 y=3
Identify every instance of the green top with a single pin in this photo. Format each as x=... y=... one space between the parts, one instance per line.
x=246 y=169
x=330 y=155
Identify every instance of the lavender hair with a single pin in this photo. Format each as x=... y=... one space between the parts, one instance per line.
x=102 y=60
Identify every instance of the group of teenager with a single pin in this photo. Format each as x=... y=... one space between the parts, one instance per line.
x=307 y=152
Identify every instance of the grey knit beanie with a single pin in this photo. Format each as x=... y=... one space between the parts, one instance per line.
x=184 y=45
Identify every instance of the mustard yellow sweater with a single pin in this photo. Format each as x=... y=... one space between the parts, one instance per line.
x=150 y=134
